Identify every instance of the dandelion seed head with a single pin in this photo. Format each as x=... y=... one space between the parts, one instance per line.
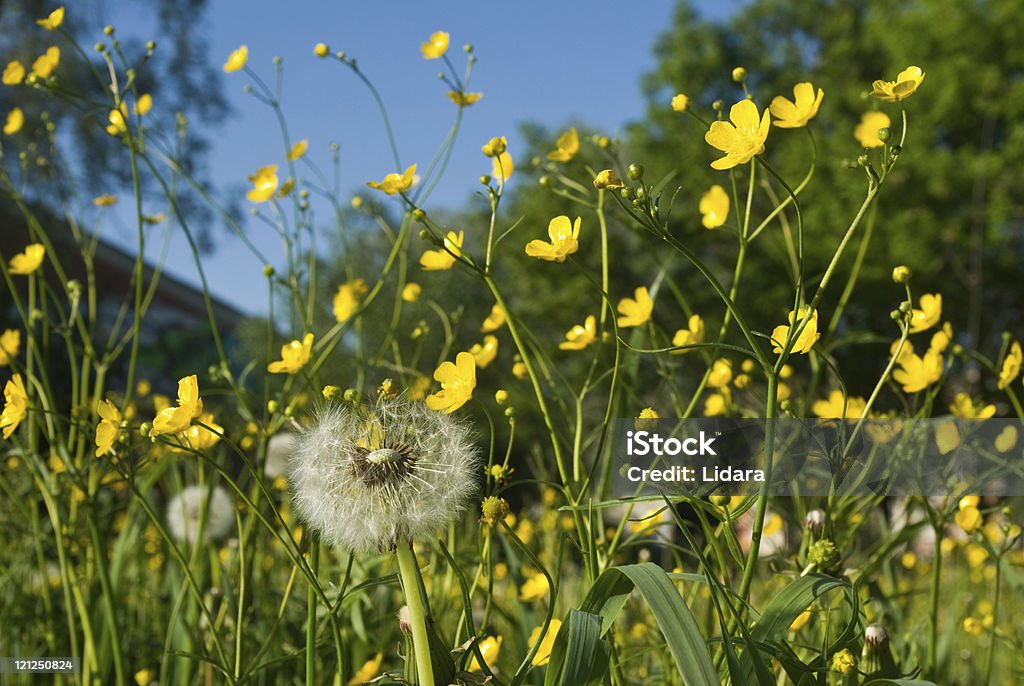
x=279 y=451
x=183 y=512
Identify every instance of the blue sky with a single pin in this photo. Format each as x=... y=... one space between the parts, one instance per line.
x=546 y=62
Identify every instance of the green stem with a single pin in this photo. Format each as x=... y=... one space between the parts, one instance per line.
x=314 y=563
x=409 y=571
x=990 y=660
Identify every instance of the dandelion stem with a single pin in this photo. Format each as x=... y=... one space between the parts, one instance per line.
x=409 y=571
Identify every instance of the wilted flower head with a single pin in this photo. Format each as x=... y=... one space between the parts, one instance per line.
x=184 y=510
x=370 y=477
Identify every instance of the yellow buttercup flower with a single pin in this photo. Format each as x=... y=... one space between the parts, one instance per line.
x=692 y=335
x=14 y=73
x=346 y=300
x=441 y=260
x=581 y=335
x=715 y=404
x=204 y=437
x=680 y=102
x=173 y=420
x=941 y=338
x=495 y=146
x=457 y=381
x=520 y=371
x=53 y=20
x=264 y=184
x=237 y=59
x=321 y=50
x=436 y=46
x=394 y=182
x=502 y=167
x=10 y=345
x=46 y=63
x=969 y=519
x=807 y=338
x=721 y=373
x=144 y=104
x=118 y=120
x=607 y=180
x=1011 y=365
x=464 y=99
x=833 y=407
x=928 y=315
x=566 y=147
x=15 y=405
x=564 y=241
x=647 y=419
x=714 y=207
x=494 y=321
x=965 y=407
x=903 y=87
x=796 y=113
x=294 y=356
x=490 y=648
x=484 y=353
x=298 y=150
x=917 y=373
x=367 y=672
x=411 y=292
x=545 y=643
x=844 y=662
x=109 y=426
x=26 y=262
x=867 y=130
x=635 y=311
x=15 y=120
x=534 y=588
x=741 y=137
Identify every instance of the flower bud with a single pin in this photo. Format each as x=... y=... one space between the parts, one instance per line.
x=109 y=30
x=321 y=50
x=268 y=270
x=825 y=555
x=901 y=274
x=468 y=47
x=273 y=406
x=739 y=74
x=494 y=147
x=145 y=428
x=680 y=102
x=603 y=142
x=814 y=521
x=419 y=215
x=607 y=180
x=875 y=636
x=501 y=396
x=719 y=500
x=494 y=510
x=485 y=180
x=331 y=392
x=906 y=306
x=350 y=395
x=100 y=47
x=388 y=389
x=717 y=105
x=635 y=171
x=884 y=134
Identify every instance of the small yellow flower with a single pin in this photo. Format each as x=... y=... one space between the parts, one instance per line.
x=796 y=113
x=867 y=130
x=10 y=345
x=844 y=662
x=298 y=150
x=635 y=312
x=833 y=407
x=721 y=373
x=929 y=314
x=104 y=200
x=714 y=207
x=502 y=167
x=500 y=397
x=144 y=677
x=144 y=104
x=484 y=353
x=680 y=102
x=564 y=241
x=394 y=182
x=46 y=63
x=14 y=73
x=457 y=381
x=545 y=643
x=107 y=429
x=321 y=50
x=647 y=419
x=1011 y=365
x=969 y=519
x=519 y=370
x=947 y=437
x=941 y=338
x=495 y=146
x=534 y=588
x=607 y=180
x=118 y=120
x=173 y=420
x=26 y=262
x=441 y=260
x=368 y=671
x=436 y=46
x=807 y=338
x=464 y=99
x=692 y=335
x=581 y=335
x=237 y=59
x=490 y=647
x=411 y=292
x=346 y=300
x=494 y=321
x=917 y=373
x=15 y=120
x=801 y=621
x=264 y=184
x=964 y=407
x=204 y=437
x=742 y=137
x=566 y=147
x=294 y=356
x=53 y=20
x=15 y=405
x=902 y=88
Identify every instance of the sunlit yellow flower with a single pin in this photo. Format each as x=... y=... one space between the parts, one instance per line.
x=53 y=20
x=833 y=407
x=534 y=588
x=346 y=300
x=368 y=671
x=26 y=262
x=692 y=335
x=144 y=104
x=264 y=184
x=15 y=120
x=1011 y=365
x=395 y=182
x=464 y=99
x=792 y=114
x=741 y=137
x=298 y=150
x=844 y=662
x=500 y=397
x=118 y=120
x=520 y=371
x=581 y=335
x=14 y=73
x=490 y=647
x=941 y=338
x=929 y=314
x=46 y=63
x=546 y=643
x=436 y=46
x=321 y=50
x=457 y=383
x=502 y=167
x=411 y=292
x=969 y=519
x=104 y=200
x=440 y=260
x=917 y=373
x=204 y=437
x=807 y=338
x=10 y=345
x=173 y=420
x=566 y=147
x=647 y=419
x=965 y=407
x=607 y=180
x=15 y=405
x=494 y=321
x=564 y=241
x=106 y=430
x=495 y=146
x=903 y=87
x=635 y=312
x=714 y=207
x=144 y=677
x=680 y=102
x=294 y=356
x=721 y=373
x=867 y=130
x=484 y=353
x=237 y=59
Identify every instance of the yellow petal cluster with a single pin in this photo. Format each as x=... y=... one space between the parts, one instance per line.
x=566 y=147
x=15 y=120
x=635 y=311
x=463 y=99
x=176 y=419
x=485 y=352
x=346 y=300
x=833 y=407
x=52 y=21
x=15 y=405
x=928 y=314
x=714 y=207
x=108 y=428
x=298 y=150
x=436 y=46
x=916 y=372
x=581 y=335
x=237 y=59
x=741 y=137
x=867 y=130
x=793 y=114
x=807 y=338
x=294 y=356
x=10 y=345
x=457 y=381
x=14 y=73
x=264 y=184
x=24 y=263
x=564 y=240
x=395 y=182
x=1011 y=365
x=46 y=63
x=544 y=642
x=902 y=88
x=444 y=259
x=693 y=334
x=494 y=321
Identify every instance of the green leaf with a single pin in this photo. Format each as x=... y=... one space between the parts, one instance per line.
x=577 y=657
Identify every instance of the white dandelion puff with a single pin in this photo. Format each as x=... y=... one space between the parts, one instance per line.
x=185 y=509
x=279 y=451
x=373 y=477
